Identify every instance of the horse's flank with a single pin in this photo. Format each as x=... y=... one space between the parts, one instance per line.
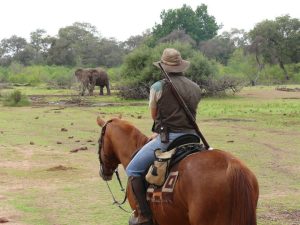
x=213 y=187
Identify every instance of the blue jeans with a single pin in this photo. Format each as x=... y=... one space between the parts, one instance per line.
x=145 y=157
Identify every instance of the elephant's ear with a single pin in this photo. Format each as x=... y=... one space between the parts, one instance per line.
x=78 y=72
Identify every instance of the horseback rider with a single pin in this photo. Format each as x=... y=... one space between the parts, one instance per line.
x=170 y=122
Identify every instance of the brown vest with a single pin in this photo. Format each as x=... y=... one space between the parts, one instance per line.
x=170 y=113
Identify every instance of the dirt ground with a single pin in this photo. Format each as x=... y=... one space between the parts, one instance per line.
x=75 y=100
x=269 y=93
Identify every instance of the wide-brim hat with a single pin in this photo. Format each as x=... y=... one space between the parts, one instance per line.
x=172 y=62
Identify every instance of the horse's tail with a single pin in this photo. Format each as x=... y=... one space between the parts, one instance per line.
x=244 y=194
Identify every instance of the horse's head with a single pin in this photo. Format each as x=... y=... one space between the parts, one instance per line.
x=107 y=158
x=119 y=140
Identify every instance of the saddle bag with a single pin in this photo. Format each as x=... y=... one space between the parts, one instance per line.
x=158 y=171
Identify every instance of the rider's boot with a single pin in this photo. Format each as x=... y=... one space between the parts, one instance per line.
x=144 y=213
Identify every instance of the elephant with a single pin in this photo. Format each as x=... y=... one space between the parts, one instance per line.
x=89 y=78
x=82 y=76
x=99 y=78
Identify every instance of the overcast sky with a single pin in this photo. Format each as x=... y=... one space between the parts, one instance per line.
x=123 y=18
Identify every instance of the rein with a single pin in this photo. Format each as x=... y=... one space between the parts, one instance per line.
x=115 y=202
x=101 y=145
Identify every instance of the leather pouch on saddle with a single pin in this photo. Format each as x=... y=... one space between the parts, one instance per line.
x=158 y=171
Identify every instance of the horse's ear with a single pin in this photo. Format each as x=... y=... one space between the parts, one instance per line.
x=100 y=121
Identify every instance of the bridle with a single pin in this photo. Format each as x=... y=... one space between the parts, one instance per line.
x=101 y=171
x=101 y=145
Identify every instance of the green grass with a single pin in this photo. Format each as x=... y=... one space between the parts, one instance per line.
x=264 y=133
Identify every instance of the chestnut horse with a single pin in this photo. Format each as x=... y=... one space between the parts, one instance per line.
x=213 y=187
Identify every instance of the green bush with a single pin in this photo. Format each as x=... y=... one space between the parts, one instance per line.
x=138 y=65
x=138 y=71
x=58 y=76
x=272 y=74
x=201 y=68
x=16 y=98
x=294 y=72
x=114 y=74
x=4 y=73
x=242 y=66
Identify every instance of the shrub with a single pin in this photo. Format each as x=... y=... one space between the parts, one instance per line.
x=133 y=91
x=58 y=76
x=273 y=74
x=16 y=98
x=201 y=68
x=220 y=86
x=3 y=74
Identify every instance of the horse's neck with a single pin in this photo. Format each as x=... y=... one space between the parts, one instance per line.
x=130 y=142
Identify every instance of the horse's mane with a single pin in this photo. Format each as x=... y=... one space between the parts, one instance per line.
x=124 y=124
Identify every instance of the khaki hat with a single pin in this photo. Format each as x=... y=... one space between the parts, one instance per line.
x=172 y=62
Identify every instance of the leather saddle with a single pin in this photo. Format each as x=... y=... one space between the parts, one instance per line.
x=184 y=139
x=185 y=145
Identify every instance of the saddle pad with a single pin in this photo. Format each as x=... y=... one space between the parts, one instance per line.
x=163 y=194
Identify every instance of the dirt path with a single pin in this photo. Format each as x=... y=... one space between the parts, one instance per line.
x=269 y=93
x=75 y=100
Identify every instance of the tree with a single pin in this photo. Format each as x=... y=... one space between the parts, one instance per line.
x=61 y=53
x=278 y=41
x=75 y=45
x=135 y=41
x=218 y=48
x=27 y=56
x=256 y=48
x=12 y=49
x=13 y=45
x=179 y=36
x=110 y=52
x=41 y=43
x=81 y=45
x=198 y=24
x=222 y=46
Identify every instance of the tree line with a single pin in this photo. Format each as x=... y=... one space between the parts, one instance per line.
x=270 y=43
x=78 y=44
